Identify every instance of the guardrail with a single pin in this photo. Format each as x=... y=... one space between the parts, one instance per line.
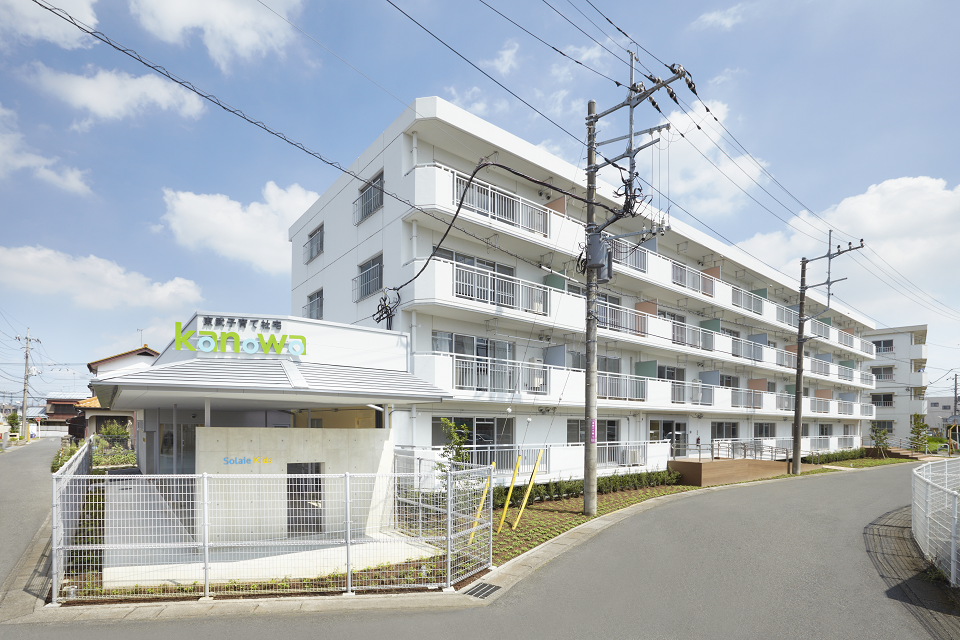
x=477 y=373
x=499 y=204
x=472 y=283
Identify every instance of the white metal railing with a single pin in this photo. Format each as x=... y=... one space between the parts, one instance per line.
x=866 y=410
x=819 y=329
x=691 y=336
x=369 y=201
x=314 y=309
x=845 y=338
x=845 y=408
x=473 y=283
x=746 y=398
x=747 y=349
x=617 y=318
x=882 y=403
x=788 y=316
x=786 y=359
x=477 y=373
x=748 y=301
x=486 y=199
x=884 y=376
x=689 y=278
x=631 y=255
x=935 y=514
x=691 y=393
x=819 y=367
x=819 y=405
x=368 y=283
x=866 y=378
x=868 y=347
x=844 y=373
x=786 y=402
x=313 y=246
x=617 y=386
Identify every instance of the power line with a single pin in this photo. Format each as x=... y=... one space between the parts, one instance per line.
x=577 y=27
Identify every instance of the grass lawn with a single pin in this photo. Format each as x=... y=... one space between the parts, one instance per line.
x=863 y=463
x=545 y=520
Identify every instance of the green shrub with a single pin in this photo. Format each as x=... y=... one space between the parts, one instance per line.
x=62 y=456
x=836 y=456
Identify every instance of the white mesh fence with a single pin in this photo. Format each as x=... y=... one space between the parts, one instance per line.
x=935 y=497
x=135 y=536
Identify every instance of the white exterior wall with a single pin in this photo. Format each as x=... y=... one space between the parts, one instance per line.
x=909 y=383
x=446 y=136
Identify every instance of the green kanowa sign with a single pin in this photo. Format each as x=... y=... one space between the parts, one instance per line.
x=211 y=341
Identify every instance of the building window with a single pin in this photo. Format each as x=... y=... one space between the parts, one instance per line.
x=764 y=430
x=771 y=387
x=934 y=404
x=882 y=373
x=672 y=317
x=670 y=373
x=370 y=200
x=607 y=431
x=316 y=423
x=370 y=280
x=732 y=382
x=724 y=430
x=729 y=332
x=804 y=430
x=605 y=364
x=826 y=430
x=314 y=245
x=946 y=407
x=883 y=346
x=886 y=425
x=314 y=307
x=771 y=344
x=882 y=399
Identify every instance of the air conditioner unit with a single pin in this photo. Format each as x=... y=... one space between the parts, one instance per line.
x=634 y=457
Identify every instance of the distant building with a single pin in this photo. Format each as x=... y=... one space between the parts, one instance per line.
x=940 y=408
x=61 y=406
x=900 y=372
x=91 y=415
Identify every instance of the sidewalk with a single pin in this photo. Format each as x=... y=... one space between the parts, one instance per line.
x=26 y=594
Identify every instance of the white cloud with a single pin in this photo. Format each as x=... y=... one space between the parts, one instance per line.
x=895 y=218
x=91 y=282
x=255 y=233
x=25 y=21
x=113 y=95
x=506 y=60
x=229 y=28
x=726 y=75
x=723 y=19
x=695 y=182
x=16 y=156
x=471 y=100
x=562 y=72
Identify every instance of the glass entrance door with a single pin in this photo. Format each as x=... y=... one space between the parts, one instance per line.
x=676 y=433
x=186 y=448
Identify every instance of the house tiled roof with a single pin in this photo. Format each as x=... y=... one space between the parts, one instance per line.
x=67 y=395
x=139 y=351
x=89 y=403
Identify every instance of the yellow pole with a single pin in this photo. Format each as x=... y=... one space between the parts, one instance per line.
x=483 y=500
x=526 y=495
x=506 y=505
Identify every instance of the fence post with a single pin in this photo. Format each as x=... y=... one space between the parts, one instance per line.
x=490 y=512
x=346 y=525
x=206 y=535
x=926 y=514
x=953 y=543
x=54 y=544
x=449 y=519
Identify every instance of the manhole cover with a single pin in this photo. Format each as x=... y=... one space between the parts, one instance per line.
x=482 y=590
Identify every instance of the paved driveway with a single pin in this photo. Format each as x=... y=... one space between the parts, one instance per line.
x=773 y=560
x=25 y=495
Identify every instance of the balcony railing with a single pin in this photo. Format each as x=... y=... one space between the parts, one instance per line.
x=819 y=329
x=786 y=402
x=787 y=316
x=866 y=378
x=787 y=359
x=313 y=247
x=691 y=336
x=501 y=205
x=476 y=373
x=747 y=349
x=746 y=398
x=845 y=408
x=691 y=393
x=472 y=283
x=819 y=405
x=689 y=278
x=883 y=349
x=882 y=403
x=370 y=200
x=368 y=283
x=845 y=338
x=844 y=373
x=314 y=309
x=883 y=376
x=628 y=254
x=868 y=348
x=747 y=301
x=819 y=367
x=617 y=318
x=614 y=386
x=866 y=410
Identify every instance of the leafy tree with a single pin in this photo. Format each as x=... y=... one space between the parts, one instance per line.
x=918 y=432
x=880 y=439
x=114 y=428
x=458 y=437
x=14 y=421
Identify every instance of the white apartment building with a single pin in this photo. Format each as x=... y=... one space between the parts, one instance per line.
x=697 y=341
x=901 y=376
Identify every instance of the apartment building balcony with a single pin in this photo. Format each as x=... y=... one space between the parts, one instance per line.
x=439 y=187
x=918 y=379
x=475 y=378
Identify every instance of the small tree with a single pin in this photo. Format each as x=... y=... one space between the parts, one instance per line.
x=14 y=421
x=114 y=428
x=918 y=432
x=880 y=440
x=458 y=437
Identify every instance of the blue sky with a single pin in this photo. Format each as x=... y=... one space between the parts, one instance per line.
x=126 y=203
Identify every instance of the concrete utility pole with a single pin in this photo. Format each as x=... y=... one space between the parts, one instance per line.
x=24 y=423
x=598 y=252
x=801 y=320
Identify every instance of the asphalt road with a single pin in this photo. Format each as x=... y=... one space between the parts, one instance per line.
x=25 y=496
x=776 y=560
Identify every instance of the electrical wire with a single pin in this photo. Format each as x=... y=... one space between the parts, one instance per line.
x=577 y=27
